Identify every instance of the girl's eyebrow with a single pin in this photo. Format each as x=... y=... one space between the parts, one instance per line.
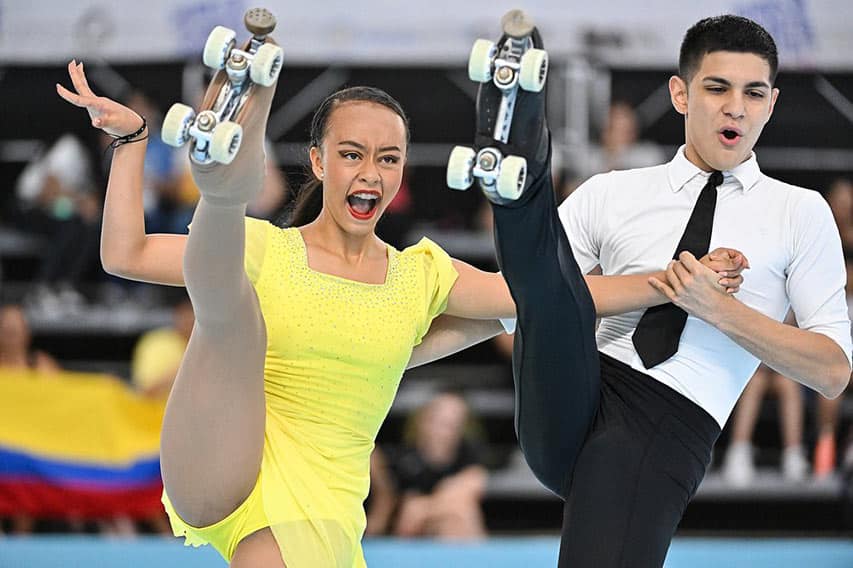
x=363 y=147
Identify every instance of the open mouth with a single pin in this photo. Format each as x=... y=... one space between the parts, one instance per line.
x=362 y=204
x=729 y=136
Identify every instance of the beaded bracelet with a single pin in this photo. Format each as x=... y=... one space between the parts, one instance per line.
x=130 y=138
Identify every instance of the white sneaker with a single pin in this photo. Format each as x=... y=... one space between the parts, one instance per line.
x=71 y=301
x=795 y=466
x=738 y=467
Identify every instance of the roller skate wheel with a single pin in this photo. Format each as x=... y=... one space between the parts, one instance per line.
x=259 y=21
x=266 y=65
x=459 y=168
x=517 y=24
x=534 y=70
x=176 y=125
x=480 y=61
x=218 y=46
x=511 y=178
x=225 y=141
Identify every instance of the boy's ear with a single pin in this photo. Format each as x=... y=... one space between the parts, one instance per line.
x=678 y=94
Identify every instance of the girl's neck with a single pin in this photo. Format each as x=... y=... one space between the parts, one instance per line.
x=325 y=233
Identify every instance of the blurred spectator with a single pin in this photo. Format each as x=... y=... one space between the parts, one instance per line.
x=58 y=200
x=154 y=365
x=739 y=467
x=165 y=210
x=16 y=353
x=15 y=343
x=829 y=411
x=275 y=193
x=739 y=464
x=620 y=147
x=840 y=198
x=158 y=353
x=439 y=476
x=565 y=183
x=382 y=501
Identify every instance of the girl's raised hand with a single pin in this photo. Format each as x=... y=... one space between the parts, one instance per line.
x=111 y=117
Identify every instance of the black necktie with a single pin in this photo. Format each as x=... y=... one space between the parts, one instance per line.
x=659 y=331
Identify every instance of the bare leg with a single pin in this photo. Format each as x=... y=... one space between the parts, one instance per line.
x=790 y=410
x=739 y=467
x=794 y=464
x=213 y=430
x=828 y=411
x=460 y=520
x=413 y=515
x=258 y=549
x=746 y=413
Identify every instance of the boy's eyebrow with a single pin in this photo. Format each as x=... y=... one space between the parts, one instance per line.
x=363 y=147
x=726 y=82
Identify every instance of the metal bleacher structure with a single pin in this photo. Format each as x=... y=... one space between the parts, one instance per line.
x=101 y=338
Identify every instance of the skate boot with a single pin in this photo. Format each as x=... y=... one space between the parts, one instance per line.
x=229 y=130
x=215 y=131
x=512 y=142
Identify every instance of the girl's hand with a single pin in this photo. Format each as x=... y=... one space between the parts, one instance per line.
x=729 y=264
x=111 y=117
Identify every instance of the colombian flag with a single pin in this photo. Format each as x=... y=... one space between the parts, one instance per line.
x=77 y=445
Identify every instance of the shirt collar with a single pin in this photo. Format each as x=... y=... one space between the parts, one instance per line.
x=681 y=170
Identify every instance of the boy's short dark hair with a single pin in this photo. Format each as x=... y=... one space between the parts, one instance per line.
x=725 y=33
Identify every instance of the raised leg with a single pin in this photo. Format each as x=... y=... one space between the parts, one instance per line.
x=213 y=430
x=555 y=360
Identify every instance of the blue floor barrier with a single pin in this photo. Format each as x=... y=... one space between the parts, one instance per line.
x=146 y=552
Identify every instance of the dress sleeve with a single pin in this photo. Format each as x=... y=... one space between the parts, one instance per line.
x=257 y=232
x=440 y=275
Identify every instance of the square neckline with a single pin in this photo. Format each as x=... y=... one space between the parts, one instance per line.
x=390 y=257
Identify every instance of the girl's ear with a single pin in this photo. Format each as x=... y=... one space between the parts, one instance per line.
x=316 y=158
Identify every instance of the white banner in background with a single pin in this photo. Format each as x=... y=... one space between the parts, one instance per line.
x=810 y=33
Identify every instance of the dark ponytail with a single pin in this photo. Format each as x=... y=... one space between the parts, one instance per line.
x=308 y=204
x=309 y=199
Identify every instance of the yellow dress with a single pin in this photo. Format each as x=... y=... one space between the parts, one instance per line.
x=336 y=350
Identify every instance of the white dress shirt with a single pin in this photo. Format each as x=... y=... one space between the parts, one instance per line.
x=629 y=222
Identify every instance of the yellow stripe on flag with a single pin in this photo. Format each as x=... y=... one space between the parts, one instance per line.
x=79 y=417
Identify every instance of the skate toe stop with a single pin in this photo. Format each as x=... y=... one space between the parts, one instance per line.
x=259 y=21
x=517 y=24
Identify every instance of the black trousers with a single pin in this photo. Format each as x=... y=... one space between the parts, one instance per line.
x=624 y=451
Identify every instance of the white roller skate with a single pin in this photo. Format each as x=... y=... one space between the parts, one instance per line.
x=215 y=132
x=516 y=62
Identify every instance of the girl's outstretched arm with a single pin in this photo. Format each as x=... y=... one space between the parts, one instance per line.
x=448 y=335
x=485 y=295
x=479 y=298
x=126 y=250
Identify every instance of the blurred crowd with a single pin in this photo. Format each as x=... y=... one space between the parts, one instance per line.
x=59 y=201
x=430 y=484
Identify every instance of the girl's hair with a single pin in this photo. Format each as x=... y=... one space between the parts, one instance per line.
x=309 y=199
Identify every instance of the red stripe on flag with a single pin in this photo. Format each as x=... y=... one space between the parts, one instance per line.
x=42 y=500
